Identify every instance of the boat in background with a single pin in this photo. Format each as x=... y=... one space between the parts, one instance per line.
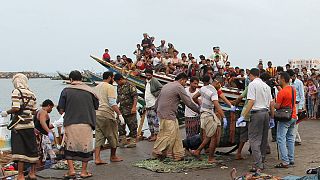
x=92 y=76
x=63 y=76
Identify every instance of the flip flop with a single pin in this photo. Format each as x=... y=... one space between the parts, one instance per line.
x=68 y=176
x=29 y=178
x=101 y=163
x=312 y=171
x=281 y=165
x=239 y=158
x=119 y=160
x=86 y=176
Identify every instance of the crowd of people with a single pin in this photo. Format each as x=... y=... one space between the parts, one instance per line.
x=108 y=110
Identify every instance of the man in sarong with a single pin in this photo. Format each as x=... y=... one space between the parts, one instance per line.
x=153 y=88
x=78 y=102
x=43 y=131
x=192 y=119
x=169 y=143
x=23 y=140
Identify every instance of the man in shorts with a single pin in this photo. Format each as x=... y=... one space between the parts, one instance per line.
x=210 y=124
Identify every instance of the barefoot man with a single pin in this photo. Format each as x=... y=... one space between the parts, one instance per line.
x=210 y=124
x=106 y=124
x=169 y=143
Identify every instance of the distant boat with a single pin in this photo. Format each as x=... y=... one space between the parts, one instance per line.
x=92 y=76
x=63 y=76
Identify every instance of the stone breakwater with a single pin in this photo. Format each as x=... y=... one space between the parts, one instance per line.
x=29 y=74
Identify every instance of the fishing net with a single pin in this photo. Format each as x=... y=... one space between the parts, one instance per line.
x=170 y=166
x=62 y=165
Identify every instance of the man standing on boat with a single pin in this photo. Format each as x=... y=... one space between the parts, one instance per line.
x=223 y=56
x=146 y=42
x=169 y=143
x=128 y=98
x=153 y=88
x=106 y=124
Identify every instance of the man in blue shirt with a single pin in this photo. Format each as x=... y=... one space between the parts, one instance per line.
x=300 y=99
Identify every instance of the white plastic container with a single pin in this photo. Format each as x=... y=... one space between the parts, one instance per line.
x=5 y=135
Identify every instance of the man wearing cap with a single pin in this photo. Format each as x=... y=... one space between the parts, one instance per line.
x=128 y=98
x=260 y=103
x=300 y=100
x=223 y=56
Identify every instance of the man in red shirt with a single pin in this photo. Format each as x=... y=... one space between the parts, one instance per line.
x=285 y=130
x=106 y=55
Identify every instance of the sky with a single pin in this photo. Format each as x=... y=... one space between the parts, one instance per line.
x=59 y=35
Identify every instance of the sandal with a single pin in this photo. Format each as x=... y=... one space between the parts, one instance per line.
x=312 y=171
x=255 y=170
x=281 y=165
x=86 y=176
x=30 y=178
x=69 y=176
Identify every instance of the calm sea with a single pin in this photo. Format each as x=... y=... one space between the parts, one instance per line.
x=43 y=89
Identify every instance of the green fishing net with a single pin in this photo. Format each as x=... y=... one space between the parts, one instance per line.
x=170 y=166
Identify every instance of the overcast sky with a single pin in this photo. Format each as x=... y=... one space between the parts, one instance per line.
x=53 y=35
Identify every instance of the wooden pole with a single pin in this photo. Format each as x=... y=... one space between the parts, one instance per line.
x=141 y=125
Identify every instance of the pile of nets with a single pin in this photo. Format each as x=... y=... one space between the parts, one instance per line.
x=169 y=166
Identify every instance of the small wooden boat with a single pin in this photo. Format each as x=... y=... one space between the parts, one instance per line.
x=92 y=76
x=63 y=76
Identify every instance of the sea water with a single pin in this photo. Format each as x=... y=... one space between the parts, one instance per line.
x=43 y=89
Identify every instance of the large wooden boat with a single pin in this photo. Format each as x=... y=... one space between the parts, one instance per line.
x=138 y=79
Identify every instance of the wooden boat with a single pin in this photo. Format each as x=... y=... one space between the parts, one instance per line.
x=92 y=76
x=230 y=136
x=63 y=76
x=138 y=79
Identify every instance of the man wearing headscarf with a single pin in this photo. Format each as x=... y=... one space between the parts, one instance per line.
x=23 y=140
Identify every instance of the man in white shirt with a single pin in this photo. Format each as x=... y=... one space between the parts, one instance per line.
x=260 y=102
x=153 y=88
x=223 y=56
x=192 y=119
x=157 y=62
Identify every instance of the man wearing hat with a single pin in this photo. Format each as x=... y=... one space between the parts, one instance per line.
x=127 y=97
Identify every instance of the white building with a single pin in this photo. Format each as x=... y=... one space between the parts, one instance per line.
x=308 y=63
